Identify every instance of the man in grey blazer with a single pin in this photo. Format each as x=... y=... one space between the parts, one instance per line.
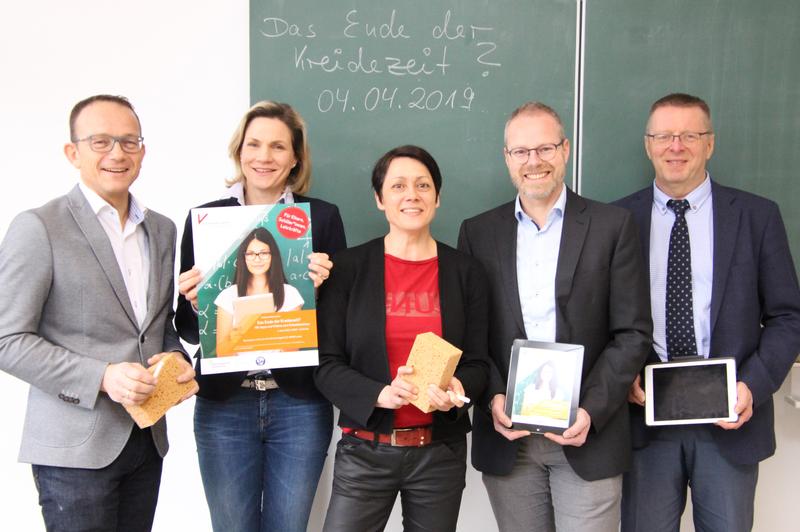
x=93 y=276
x=566 y=269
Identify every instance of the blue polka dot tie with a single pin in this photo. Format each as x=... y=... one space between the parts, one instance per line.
x=680 y=320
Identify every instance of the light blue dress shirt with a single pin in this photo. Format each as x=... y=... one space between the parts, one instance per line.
x=537 y=261
x=700 y=220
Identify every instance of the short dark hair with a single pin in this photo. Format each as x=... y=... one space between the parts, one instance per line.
x=275 y=276
x=412 y=152
x=86 y=102
x=680 y=99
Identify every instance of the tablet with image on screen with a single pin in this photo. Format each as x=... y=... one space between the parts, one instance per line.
x=544 y=381
x=690 y=392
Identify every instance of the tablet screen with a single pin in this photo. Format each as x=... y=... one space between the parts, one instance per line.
x=690 y=392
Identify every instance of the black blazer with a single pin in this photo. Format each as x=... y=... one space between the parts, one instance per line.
x=354 y=366
x=755 y=309
x=327 y=236
x=602 y=303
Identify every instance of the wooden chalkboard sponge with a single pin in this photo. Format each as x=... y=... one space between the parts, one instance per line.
x=434 y=361
x=166 y=395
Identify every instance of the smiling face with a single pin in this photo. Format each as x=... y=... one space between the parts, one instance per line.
x=258 y=257
x=538 y=182
x=111 y=174
x=679 y=168
x=266 y=158
x=408 y=196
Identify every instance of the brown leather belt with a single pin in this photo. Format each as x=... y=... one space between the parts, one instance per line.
x=410 y=437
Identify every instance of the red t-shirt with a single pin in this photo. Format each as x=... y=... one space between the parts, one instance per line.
x=412 y=307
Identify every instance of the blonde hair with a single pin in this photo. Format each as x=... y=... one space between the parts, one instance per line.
x=299 y=179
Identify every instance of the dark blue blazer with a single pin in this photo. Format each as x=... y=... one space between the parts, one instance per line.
x=327 y=236
x=755 y=309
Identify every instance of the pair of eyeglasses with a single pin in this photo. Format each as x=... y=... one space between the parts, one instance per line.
x=105 y=143
x=687 y=138
x=259 y=255
x=545 y=152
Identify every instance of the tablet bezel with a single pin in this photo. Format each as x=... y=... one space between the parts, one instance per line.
x=519 y=349
x=730 y=380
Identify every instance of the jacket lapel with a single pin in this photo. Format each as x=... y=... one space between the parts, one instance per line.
x=506 y=242
x=642 y=210
x=448 y=290
x=726 y=228
x=573 y=234
x=101 y=247
x=154 y=287
x=376 y=303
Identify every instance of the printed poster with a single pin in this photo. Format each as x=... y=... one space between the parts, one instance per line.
x=256 y=304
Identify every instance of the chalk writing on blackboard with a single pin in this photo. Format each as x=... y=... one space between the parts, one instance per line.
x=428 y=52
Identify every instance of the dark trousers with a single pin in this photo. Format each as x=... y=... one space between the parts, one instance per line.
x=654 y=491
x=367 y=478
x=120 y=497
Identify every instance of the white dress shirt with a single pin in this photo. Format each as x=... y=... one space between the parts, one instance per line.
x=537 y=262
x=130 y=246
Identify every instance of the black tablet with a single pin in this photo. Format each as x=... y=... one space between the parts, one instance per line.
x=544 y=381
x=690 y=392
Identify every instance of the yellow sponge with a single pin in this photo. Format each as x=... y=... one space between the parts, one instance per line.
x=167 y=393
x=434 y=361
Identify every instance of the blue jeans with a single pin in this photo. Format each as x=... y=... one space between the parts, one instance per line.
x=120 y=497
x=261 y=455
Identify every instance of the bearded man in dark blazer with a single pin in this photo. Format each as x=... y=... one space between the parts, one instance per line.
x=566 y=269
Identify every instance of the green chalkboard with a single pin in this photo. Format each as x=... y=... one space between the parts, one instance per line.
x=369 y=75
x=740 y=56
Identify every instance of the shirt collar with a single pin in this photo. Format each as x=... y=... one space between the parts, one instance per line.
x=136 y=210
x=557 y=210
x=236 y=191
x=696 y=197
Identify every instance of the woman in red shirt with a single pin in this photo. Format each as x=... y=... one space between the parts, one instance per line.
x=378 y=298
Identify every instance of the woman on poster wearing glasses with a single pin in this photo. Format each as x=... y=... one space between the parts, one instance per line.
x=259 y=272
x=262 y=438
x=379 y=297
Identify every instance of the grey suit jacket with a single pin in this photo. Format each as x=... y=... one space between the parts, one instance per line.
x=69 y=317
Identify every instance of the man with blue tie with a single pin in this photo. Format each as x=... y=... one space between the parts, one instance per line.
x=722 y=283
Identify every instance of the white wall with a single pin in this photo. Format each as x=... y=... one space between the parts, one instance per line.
x=184 y=65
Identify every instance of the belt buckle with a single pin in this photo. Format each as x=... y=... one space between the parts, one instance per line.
x=261 y=385
x=393 y=437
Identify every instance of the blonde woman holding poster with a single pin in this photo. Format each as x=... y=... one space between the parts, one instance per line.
x=262 y=438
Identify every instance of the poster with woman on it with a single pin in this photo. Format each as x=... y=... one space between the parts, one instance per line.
x=256 y=304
